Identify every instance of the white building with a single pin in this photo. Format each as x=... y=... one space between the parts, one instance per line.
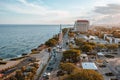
x=111 y=39
x=81 y=25
x=84 y=57
x=89 y=65
x=100 y=55
x=117 y=40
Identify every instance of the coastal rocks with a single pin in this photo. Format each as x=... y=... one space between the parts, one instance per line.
x=34 y=51
x=38 y=49
x=41 y=47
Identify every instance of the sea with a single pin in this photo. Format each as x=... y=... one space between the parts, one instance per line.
x=18 y=39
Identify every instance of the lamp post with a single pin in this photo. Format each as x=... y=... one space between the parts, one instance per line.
x=60 y=38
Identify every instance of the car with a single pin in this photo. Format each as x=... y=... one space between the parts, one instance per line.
x=109 y=74
x=60 y=73
x=46 y=75
x=102 y=66
x=113 y=79
x=50 y=64
x=49 y=69
x=114 y=53
x=109 y=56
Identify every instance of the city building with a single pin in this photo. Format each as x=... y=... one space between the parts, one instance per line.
x=116 y=40
x=81 y=25
x=89 y=65
x=111 y=39
x=84 y=57
x=100 y=55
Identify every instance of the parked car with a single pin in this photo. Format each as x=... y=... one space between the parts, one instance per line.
x=109 y=74
x=49 y=69
x=113 y=79
x=60 y=73
x=46 y=75
x=103 y=66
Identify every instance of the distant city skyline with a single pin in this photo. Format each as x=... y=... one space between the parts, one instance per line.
x=59 y=11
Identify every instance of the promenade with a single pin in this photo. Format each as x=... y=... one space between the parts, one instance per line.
x=9 y=64
x=42 y=59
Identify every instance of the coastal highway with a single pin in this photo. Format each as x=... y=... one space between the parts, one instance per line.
x=52 y=64
x=55 y=59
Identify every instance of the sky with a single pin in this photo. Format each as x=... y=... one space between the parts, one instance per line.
x=59 y=11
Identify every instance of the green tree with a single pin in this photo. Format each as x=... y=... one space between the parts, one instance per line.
x=49 y=50
x=83 y=75
x=79 y=42
x=100 y=47
x=112 y=47
x=36 y=65
x=68 y=67
x=70 y=46
x=30 y=76
x=86 y=48
x=23 y=68
x=75 y=73
x=64 y=30
x=71 y=54
x=116 y=34
x=33 y=70
x=51 y=42
x=12 y=78
x=56 y=37
x=19 y=75
x=92 y=43
x=71 y=34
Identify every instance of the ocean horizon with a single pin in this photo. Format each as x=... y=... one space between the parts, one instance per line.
x=17 y=39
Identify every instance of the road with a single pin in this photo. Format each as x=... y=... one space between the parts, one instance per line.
x=52 y=64
x=56 y=56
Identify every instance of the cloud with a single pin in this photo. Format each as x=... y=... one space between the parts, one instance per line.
x=108 y=14
x=110 y=9
x=34 y=9
x=44 y=11
x=41 y=13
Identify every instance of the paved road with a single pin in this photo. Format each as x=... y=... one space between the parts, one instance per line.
x=56 y=57
x=52 y=64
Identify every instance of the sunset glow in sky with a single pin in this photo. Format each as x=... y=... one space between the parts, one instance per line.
x=59 y=11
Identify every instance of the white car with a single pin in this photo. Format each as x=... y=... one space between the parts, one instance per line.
x=46 y=75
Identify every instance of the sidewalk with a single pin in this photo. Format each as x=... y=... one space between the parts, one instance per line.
x=42 y=59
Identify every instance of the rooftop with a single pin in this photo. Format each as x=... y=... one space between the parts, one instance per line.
x=82 y=21
x=100 y=54
x=85 y=55
x=89 y=65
